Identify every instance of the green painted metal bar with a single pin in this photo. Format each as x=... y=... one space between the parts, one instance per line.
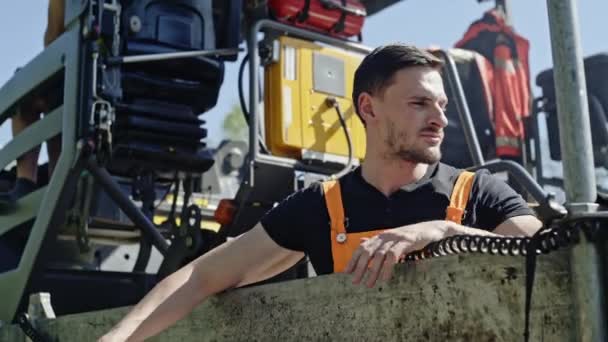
x=12 y=284
x=43 y=66
x=32 y=136
x=25 y=210
x=73 y=10
x=578 y=165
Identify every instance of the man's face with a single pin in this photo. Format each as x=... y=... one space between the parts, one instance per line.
x=409 y=115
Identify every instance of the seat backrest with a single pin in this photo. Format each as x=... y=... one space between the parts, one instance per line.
x=157 y=123
x=161 y=26
x=596 y=74
x=181 y=24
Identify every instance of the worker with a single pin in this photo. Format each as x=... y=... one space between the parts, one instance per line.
x=29 y=112
x=399 y=200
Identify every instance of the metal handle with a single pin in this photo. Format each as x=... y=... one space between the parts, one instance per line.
x=170 y=55
x=462 y=107
x=549 y=209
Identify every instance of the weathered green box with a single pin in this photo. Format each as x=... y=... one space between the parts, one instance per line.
x=456 y=298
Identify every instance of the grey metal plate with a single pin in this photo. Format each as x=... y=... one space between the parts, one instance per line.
x=328 y=75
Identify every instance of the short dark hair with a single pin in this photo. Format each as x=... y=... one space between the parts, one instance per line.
x=377 y=69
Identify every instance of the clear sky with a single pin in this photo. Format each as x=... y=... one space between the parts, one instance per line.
x=421 y=22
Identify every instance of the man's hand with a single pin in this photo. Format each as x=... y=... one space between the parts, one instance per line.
x=376 y=257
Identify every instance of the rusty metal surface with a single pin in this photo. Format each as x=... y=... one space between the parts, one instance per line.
x=459 y=298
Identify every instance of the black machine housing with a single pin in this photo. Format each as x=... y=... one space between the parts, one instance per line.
x=151 y=131
x=547 y=152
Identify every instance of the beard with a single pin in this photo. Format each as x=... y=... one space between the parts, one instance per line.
x=398 y=150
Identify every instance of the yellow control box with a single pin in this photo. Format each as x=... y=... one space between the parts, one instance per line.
x=298 y=120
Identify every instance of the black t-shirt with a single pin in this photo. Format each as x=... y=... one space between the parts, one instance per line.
x=301 y=221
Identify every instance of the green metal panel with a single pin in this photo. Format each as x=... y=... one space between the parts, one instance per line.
x=73 y=10
x=64 y=50
x=32 y=136
x=456 y=298
x=43 y=66
x=26 y=209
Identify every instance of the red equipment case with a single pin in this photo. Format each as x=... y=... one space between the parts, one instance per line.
x=341 y=18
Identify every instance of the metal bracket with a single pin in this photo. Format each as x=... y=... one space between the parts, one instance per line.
x=40 y=306
x=77 y=220
x=186 y=242
x=578 y=209
x=139 y=219
x=102 y=117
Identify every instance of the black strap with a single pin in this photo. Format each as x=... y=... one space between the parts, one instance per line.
x=339 y=26
x=28 y=329
x=530 y=273
x=303 y=15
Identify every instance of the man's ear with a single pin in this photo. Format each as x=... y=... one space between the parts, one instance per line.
x=366 y=108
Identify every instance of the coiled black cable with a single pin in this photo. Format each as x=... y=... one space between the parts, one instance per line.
x=550 y=239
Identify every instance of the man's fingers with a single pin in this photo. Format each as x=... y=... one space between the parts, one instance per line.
x=376 y=264
x=355 y=257
x=367 y=250
x=392 y=257
x=353 y=261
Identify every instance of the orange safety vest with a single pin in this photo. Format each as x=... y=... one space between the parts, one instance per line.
x=506 y=74
x=344 y=244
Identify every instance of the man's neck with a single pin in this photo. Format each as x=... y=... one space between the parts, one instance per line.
x=389 y=175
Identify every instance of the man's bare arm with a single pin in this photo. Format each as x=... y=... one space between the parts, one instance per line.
x=251 y=257
x=525 y=225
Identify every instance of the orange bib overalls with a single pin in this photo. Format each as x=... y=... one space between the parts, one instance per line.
x=344 y=244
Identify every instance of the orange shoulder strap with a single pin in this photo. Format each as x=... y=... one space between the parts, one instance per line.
x=343 y=245
x=460 y=197
x=333 y=200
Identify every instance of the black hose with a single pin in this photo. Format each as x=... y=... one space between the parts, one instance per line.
x=171 y=215
x=242 y=98
x=332 y=102
x=241 y=94
x=143 y=255
x=148 y=195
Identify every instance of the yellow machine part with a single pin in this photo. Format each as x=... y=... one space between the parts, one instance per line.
x=296 y=87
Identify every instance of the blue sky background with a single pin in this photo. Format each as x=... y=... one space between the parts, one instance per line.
x=420 y=22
